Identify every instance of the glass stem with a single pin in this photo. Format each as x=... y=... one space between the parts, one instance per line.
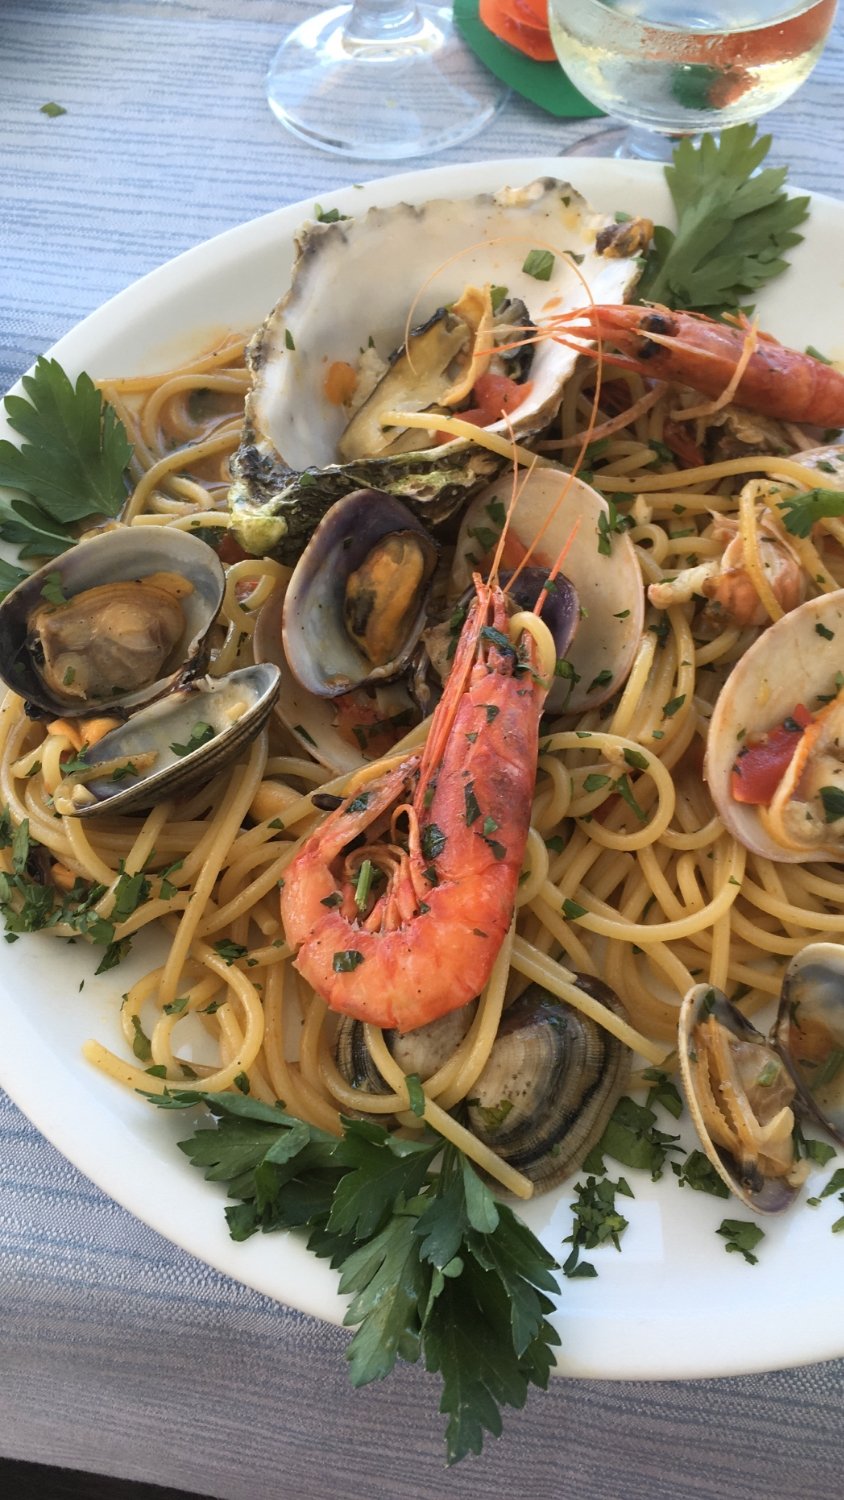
x=381 y=20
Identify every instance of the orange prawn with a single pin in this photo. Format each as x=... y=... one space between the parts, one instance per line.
x=693 y=350
x=424 y=941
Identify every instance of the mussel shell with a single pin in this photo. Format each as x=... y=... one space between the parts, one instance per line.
x=809 y=1032
x=422 y=1051
x=171 y=721
x=322 y=655
x=549 y=1085
x=765 y=1195
x=119 y=555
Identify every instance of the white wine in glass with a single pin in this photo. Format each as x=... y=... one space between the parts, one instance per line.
x=380 y=80
x=669 y=68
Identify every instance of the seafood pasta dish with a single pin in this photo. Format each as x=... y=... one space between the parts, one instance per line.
x=460 y=690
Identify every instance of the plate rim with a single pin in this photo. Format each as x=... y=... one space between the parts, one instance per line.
x=589 y=1353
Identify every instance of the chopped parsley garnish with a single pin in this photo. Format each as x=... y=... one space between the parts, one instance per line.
x=52 y=110
x=800 y=512
x=328 y=216
x=670 y=708
x=364 y=881
x=832 y=798
x=199 y=735
x=415 y=1094
x=596 y=1222
x=742 y=1238
x=230 y=951
x=288 y=339
x=346 y=960
x=473 y=811
x=359 y=803
x=539 y=264
x=53 y=592
x=177 y=1006
x=573 y=910
x=433 y=841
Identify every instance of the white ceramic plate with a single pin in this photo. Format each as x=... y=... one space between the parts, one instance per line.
x=673 y=1304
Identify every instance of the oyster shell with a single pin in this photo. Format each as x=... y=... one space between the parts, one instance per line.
x=357 y=280
x=608 y=583
x=798 y=660
x=112 y=623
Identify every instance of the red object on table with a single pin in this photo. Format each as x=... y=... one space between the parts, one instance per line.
x=522 y=23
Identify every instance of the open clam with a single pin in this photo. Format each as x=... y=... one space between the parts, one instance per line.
x=745 y=1090
x=601 y=567
x=112 y=623
x=355 y=605
x=469 y=273
x=783 y=704
x=169 y=746
x=546 y=1091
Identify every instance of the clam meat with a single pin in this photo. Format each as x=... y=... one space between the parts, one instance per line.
x=741 y=1098
x=473 y=279
x=746 y=1091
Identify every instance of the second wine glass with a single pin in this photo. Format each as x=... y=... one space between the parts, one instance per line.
x=669 y=68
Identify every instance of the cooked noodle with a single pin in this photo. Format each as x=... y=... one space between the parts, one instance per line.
x=648 y=891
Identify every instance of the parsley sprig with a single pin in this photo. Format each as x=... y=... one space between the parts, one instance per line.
x=734 y=223
x=70 y=465
x=436 y=1267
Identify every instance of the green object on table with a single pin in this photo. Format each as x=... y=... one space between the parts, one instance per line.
x=544 y=83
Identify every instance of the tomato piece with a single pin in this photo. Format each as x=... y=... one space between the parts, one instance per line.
x=521 y=23
x=760 y=766
x=677 y=437
x=340 y=382
x=494 y=394
x=229 y=549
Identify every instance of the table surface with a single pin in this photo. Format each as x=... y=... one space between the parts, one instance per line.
x=123 y=1355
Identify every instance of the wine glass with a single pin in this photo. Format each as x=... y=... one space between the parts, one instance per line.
x=671 y=68
x=381 y=80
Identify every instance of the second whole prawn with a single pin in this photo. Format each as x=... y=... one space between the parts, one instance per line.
x=424 y=942
x=692 y=350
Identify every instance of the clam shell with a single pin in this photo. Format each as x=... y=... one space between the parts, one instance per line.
x=422 y=1051
x=119 y=555
x=794 y=661
x=322 y=655
x=160 y=726
x=809 y=1031
x=359 y=279
x=550 y=1084
x=765 y=1195
x=608 y=585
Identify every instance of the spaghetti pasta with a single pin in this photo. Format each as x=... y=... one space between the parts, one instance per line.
x=629 y=874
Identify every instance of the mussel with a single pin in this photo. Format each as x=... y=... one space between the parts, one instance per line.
x=546 y=1091
x=745 y=1091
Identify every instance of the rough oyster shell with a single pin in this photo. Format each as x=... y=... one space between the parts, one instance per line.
x=356 y=280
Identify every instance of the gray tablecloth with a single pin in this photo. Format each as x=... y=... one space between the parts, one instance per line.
x=120 y=1353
